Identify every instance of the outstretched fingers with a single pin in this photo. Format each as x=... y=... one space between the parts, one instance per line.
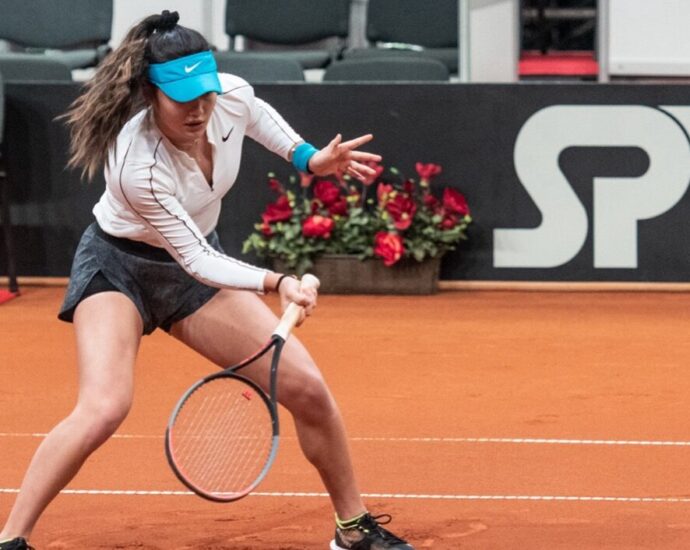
x=359 y=170
x=354 y=143
x=341 y=157
x=355 y=160
x=363 y=156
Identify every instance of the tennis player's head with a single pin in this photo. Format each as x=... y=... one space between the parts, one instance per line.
x=159 y=63
x=185 y=81
x=180 y=62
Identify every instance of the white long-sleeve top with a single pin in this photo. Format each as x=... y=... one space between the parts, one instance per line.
x=157 y=194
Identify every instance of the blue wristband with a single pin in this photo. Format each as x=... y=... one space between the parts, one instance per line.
x=300 y=158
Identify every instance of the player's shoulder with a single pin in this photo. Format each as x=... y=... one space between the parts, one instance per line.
x=140 y=154
x=139 y=141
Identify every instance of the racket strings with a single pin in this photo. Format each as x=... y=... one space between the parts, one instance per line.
x=222 y=437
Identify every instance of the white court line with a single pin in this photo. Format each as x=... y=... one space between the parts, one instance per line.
x=497 y=440
x=529 y=441
x=399 y=496
x=116 y=436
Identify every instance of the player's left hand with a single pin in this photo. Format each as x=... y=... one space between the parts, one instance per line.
x=292 y=292
x=341 y=157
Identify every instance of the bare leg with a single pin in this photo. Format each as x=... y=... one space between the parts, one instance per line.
x=108 y=331
x=232 y=326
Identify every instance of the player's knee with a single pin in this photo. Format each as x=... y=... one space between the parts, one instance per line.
x=310 y=397
x=103 y=416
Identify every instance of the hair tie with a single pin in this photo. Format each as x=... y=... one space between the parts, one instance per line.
x=167 y=21
x=280 y=280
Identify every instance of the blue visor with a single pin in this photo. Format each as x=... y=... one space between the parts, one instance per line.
x=186 y=78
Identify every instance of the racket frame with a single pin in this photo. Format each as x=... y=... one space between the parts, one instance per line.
x=280 y=335
x=276 y=343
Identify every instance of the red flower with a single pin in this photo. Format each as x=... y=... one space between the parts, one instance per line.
x=276 y=186
x=455 y=201
x=389 y=247
x=402 y=209
x=318 y=226
x=314 y=206
x=430 y=201
x=383 y=192
x=399 y=217
x=277 y=211
x=378 y=170
x=427 y=171
x=327 y=192
x=338 y=208
x=449 y=221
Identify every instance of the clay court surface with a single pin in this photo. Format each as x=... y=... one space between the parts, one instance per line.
x=478 y=419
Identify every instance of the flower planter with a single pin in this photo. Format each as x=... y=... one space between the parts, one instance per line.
x=389 y=214
x=343 y=274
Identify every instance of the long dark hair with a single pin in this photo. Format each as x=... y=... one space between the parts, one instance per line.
x=120 y=87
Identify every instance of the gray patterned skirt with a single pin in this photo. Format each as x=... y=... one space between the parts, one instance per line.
x=157 y=285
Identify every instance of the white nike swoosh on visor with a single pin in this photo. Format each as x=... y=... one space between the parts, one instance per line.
x=191 y=67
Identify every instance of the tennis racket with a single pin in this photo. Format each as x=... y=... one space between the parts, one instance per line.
x=222 y=436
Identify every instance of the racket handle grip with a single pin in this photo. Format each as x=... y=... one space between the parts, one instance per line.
x=292 y=313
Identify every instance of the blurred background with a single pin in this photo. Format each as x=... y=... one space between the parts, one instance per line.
x=563 y=122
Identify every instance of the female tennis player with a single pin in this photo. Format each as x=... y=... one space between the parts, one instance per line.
x=168 y=130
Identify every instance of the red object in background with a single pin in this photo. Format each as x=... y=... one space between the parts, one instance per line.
x=568 y=63
x=6 y=296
